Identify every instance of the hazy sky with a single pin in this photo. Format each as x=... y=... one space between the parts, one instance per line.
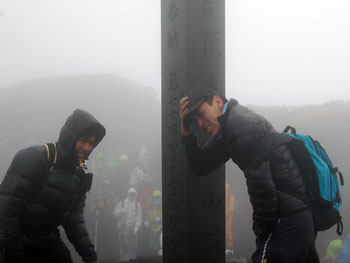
x=278 y=51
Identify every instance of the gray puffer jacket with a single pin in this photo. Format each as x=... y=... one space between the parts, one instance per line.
x=34 y=201
x=242 y=130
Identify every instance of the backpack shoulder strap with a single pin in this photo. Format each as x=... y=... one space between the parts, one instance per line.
x=51 y=152
x=290 y=128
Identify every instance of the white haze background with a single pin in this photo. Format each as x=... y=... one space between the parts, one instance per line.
x=277 y=51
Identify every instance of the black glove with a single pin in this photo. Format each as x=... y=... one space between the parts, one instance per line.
x=88 y=254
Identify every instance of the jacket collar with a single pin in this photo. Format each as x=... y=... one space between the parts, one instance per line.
x=231 y=104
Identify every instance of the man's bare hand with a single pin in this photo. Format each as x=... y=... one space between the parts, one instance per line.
x=183 y=111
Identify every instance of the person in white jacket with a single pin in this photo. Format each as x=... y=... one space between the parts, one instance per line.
x=129 y=216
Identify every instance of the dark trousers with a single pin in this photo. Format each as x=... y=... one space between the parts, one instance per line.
x=291 y=241
x=40 y=249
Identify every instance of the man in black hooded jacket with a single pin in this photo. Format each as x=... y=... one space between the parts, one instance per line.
x=282 y=223
x=37 y=196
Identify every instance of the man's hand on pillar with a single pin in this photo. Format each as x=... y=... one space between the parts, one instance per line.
x=186 y=128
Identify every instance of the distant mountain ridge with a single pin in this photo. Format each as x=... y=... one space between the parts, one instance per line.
x=127 y=106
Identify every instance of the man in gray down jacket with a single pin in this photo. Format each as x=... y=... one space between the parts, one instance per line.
x=283 y=224
x=45 y=187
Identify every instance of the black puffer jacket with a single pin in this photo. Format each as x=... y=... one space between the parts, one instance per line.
x=34 y=201
x=242 y=130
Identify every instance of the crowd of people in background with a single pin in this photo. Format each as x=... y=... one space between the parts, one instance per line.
x=124 y=207
x=124 y=212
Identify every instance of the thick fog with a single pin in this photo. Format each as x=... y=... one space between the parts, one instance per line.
x=292 y=52
x=283 y=48
x=288 y=60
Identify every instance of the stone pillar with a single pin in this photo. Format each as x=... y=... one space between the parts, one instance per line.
x=193 y=55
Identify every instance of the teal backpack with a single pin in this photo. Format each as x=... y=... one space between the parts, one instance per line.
x=320 y=176
x=321 y=180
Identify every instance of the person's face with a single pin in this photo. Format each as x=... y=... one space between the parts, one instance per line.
x=206 y=116
x=132 y=196
x=84 y=147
